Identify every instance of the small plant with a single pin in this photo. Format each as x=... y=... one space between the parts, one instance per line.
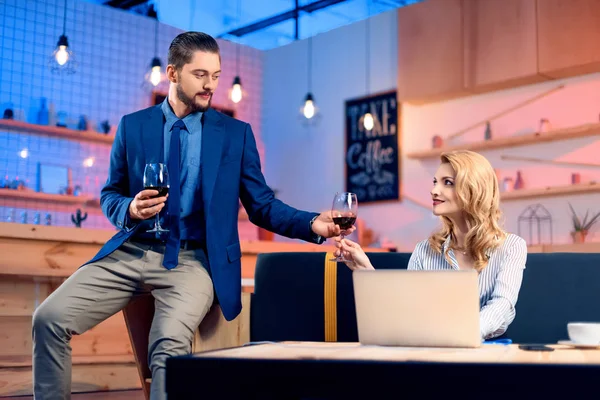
x=584 y=225
x=78 y=218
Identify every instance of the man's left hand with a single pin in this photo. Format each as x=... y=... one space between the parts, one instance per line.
x=324 y=226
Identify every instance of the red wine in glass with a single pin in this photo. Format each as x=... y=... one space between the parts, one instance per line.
x=343 y=212
x=156 y=177
x=162 y=190
x=344 y=222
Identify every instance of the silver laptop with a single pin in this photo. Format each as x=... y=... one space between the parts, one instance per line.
x=417 y=308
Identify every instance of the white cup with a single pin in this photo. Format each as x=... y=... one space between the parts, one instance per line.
x=584 y=332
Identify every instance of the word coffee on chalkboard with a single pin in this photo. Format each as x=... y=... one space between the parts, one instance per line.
x=372 y=158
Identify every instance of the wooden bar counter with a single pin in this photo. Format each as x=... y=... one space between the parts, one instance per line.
x=36 y=259
x=53 y=251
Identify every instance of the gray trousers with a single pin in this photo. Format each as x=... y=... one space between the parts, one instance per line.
x=96 y=291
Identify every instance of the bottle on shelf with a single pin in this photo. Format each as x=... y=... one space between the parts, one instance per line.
x=43 y=114
x=507 y=184
x=519 y=184
x=488 y=131
x=10 y=215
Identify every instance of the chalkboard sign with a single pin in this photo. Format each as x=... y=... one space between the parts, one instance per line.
x=372 y=156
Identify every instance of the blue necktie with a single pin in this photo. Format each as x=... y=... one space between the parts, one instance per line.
x=170 y=260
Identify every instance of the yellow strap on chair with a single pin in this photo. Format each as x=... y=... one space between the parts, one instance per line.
x=330 y=298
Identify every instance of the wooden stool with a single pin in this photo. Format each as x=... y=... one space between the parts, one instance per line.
x=215 y=332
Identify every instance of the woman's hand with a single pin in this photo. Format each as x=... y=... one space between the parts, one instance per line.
x=356 y=258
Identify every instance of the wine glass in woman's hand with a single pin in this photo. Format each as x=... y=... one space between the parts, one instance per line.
x=344 y=211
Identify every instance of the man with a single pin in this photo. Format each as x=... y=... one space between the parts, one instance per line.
x=214 y=162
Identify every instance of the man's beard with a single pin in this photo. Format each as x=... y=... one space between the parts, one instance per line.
x=190 y=103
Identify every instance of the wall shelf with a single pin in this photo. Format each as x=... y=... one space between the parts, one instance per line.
x=588 y=247
x=55 y=131
x=551 y=191
x=514 y=141
x=47 y=197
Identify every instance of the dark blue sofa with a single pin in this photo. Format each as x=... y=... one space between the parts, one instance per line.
x=288 y=299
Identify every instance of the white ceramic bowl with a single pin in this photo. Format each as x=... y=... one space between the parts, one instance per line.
x=584 y=332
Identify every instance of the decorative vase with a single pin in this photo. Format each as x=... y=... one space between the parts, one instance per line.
x=488 y=131
x=61 y=121
x=519 y=184
x=83 y=123
x=8 y=114
x=42 y=115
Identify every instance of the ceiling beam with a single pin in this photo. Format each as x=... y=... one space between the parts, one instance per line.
x=318 y=5
x=276 y=19
x=124 y=4
x=296 y=20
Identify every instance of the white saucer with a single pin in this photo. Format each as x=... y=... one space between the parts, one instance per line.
x=579 y=345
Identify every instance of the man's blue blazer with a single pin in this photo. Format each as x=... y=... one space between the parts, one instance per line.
x=231 y=171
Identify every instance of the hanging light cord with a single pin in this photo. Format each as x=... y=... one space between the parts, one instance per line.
x=156 y=38
x=309 y=64
x=237 y=59
x=368 y=57
x=237 y=47
x=65 y=19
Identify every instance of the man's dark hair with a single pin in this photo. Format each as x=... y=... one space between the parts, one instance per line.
x=182 y=48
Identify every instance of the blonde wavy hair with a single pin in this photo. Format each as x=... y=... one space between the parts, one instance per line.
x=478 y=194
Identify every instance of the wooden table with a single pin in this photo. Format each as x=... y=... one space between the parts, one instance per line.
x=349 y=370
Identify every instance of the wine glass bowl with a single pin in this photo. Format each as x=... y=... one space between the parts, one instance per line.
x=344 y=212
x=156 y=177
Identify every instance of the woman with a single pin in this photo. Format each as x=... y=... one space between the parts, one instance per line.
x=466 y=197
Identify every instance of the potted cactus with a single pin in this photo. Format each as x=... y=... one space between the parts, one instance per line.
x=77 y=219
x=581 y=227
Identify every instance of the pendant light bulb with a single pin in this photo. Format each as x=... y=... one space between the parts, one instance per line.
x=309 y=107
x=155 y=76
x=62 y=60
x=368 y=121
x=61 y=54
x=236 y=90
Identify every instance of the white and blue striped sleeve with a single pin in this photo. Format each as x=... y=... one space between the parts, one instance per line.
x=415 y=262
x=499 y=311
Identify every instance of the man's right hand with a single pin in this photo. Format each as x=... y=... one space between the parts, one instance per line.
x=145 y=205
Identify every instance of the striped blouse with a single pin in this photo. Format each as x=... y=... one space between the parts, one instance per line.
x=499 y=282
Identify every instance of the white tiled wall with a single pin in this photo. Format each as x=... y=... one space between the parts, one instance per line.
x=113 y=49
